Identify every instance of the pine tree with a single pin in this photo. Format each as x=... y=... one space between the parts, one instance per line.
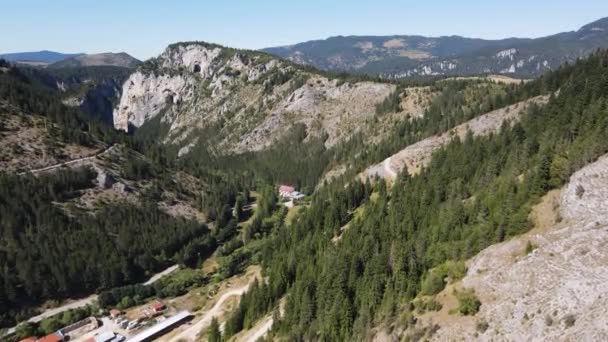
x=214 y=334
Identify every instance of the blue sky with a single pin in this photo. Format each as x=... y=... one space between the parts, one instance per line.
x=144 y=28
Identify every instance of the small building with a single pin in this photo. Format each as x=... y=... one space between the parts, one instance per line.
x=115 y=313
x=286 y=190
x=157 y=307
x=297 y=195
x=29 y=339
x=105 y=336
x=54 y=337
x=162 y=328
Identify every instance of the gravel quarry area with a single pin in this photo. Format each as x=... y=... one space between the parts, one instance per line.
x=557 y=292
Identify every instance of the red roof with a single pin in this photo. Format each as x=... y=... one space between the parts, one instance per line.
x=55 y=337
x=29 y=339
x=157 y=306
x=286 y=188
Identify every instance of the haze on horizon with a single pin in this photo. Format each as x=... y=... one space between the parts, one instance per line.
x=144 y=28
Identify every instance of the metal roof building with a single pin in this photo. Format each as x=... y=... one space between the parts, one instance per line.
x=162 y=327
x=105 y=337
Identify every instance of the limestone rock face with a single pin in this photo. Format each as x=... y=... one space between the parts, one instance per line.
x=241 y=100
x=144 y=96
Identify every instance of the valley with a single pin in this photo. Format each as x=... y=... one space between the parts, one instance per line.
x=219 y=194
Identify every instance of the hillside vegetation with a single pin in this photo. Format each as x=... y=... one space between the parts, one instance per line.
x=214 y=124
x=475 y=192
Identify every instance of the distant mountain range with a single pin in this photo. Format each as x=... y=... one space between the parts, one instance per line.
x=121 y=59
x=405 y=56
x=54 y=59
x=38 y=56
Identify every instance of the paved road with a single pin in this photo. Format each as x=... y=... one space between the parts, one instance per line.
x=191 y=333
x=47 y=168
x=87 y=301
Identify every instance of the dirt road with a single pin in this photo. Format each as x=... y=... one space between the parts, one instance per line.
x=257 y=331
x=191 y=333
x=68 y=162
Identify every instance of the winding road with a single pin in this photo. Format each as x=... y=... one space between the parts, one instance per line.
x=257 y=331
x=74 y=161
x=191 y=333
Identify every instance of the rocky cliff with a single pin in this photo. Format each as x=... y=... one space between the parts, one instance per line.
x=240 y=100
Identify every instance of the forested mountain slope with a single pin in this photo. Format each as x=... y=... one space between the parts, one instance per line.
x=475 y=192
x=417 y=156
x=109 y=219
x=214 y=123
x=411 y=56
x=95 y=90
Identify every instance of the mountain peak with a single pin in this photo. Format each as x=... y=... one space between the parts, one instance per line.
x=121 y=59
x=600 y=25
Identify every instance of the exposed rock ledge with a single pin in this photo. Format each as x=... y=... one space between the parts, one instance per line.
x=530 y=297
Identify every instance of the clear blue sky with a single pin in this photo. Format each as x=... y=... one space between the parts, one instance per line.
x=144 y=28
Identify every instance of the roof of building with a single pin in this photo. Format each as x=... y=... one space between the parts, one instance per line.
x=157 y=306
x=29 y=339
x=169 y=322
x=54 y=337
x=105 y=336
x=286 y=188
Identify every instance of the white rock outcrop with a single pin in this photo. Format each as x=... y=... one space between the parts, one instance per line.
x=144 y=96
x=558 y=292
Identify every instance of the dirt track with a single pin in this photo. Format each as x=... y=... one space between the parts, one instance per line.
x=75 y=161
x=191 y=333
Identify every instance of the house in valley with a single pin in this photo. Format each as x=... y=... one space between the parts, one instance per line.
x=288 y=192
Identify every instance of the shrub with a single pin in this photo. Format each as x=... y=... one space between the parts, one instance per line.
x=530 y=247
x=569 y=320
x=468 y=303
x=433 y=283
x=482 y=326
x=580 y=191
x=435 y=280
x=425 y=305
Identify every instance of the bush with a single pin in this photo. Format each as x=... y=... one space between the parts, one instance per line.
x=569 y=320
x=580 y=191
x=433 y=283
x=482 y=326
x=425 y=305
x=435 y=279
x=530 y=247
x=468 y=303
